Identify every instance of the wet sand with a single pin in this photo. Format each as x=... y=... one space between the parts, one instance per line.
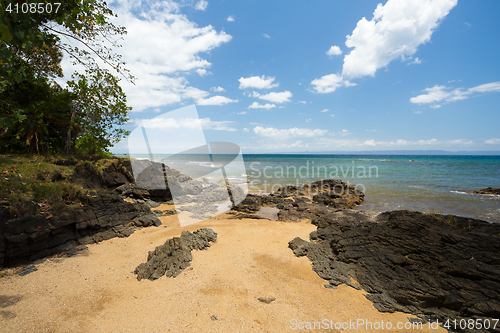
x=96 y=291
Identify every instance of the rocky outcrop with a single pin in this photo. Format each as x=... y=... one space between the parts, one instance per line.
x=92 y=219
x=304 y=202
x=433 y=266
x=488 y=190
x=174 y=256
x=101 y=217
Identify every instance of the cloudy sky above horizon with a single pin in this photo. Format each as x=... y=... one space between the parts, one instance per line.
x=281 y=76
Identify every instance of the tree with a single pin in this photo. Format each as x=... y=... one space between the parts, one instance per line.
x=86 y=22
x=34 y=114
x=98 y=108
x=31 y=50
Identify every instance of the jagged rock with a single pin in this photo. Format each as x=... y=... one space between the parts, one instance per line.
x=489 y=190
x=174 y=256
x=147 y=221
x=306 y=201
x=441 y=266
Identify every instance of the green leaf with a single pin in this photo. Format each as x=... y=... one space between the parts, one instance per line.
x=4 y=30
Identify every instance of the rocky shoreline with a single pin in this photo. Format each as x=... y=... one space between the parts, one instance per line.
x=429 y=265
x=433 y=266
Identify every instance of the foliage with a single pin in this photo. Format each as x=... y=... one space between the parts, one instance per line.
x=37 y=115
x=99 y=107
x=25 y=35
x=34 y=116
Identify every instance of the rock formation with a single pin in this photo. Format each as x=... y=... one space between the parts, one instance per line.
x=433 y=266
x=488 y=190
x=174 y=256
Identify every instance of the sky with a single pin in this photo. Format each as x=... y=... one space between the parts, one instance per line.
x=296 y=76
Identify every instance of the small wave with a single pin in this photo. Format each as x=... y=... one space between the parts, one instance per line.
x=375 y=159
x=461 y=192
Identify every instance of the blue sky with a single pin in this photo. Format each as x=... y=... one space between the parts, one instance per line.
x=291 y=76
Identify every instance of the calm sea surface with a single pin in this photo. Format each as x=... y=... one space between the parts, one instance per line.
x=439 y=184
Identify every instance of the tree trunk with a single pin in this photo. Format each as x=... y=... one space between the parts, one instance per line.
x=67 y=145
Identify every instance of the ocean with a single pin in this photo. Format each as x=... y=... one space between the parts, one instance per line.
x=435 y=184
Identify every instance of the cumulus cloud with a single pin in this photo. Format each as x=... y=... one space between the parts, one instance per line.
x=217 y=89
x=202 y=71
x=185 y=123
x=256 y=105
x=230 y=18
x=329 y=83
x=257 y=82
x=161 y=48
x=493 y=141
x=275 y=133
x=215 y=100
x=445 y=94
x=395 y=31
x=334 y=50
x=325 y=110
x=201 y=5
x=428 y=142
x=275 y=97
x=242 y=112
x=266 y=36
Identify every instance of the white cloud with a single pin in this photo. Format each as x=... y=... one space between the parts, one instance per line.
x=487 y=87
x=302 y=102
x=215 y=100
x=275 y=97
x=395 y=31
x=161 y=46
x=256 y=82
x=309 y=120
x=256 y=105
x=217 y=89
x=206 y=123
x=201 y=5
x=230 y=18
x=344 y=132
x=493 y=141
x=157 y=110
x=329 y=83
x=442 y=93
x=415 y=61
x=246 y=130
x=459 y=142
x=370 y=143
x=334 y=50
x=275 y=133
x=185 y=123
x=428 y=142
x=434 y=94
x=242 y=112
x=325 y=110
x=266 y=36
x=202 y=71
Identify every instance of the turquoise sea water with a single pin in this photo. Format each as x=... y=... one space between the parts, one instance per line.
x=438 y=184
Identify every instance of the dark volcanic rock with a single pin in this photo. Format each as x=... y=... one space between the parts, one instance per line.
x=489 y=190
x=437 y=266
x=304 y=202
x=174 y=256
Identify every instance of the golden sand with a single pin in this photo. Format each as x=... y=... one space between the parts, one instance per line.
x=96 y=291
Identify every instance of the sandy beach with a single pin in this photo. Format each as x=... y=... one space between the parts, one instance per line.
x=96 y=290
